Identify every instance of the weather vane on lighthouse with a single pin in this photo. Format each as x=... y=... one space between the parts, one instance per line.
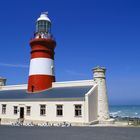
x=41 y=73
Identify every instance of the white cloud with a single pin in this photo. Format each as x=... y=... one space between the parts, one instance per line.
x=14 y=65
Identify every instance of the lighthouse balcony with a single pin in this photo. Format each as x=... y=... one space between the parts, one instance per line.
x=43 y=35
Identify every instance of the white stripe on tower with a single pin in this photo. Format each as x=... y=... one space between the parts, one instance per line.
x=42 y=66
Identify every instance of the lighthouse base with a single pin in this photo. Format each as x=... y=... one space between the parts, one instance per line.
x=37 y=83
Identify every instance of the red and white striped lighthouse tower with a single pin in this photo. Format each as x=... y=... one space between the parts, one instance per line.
x=41 y=73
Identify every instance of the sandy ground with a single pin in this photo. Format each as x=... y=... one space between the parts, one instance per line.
x=70 y=133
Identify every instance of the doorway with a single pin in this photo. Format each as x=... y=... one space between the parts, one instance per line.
x=21 y=112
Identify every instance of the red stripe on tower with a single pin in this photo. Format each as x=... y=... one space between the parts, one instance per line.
x=41 y=73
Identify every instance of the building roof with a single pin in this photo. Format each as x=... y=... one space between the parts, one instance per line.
x=57 y=93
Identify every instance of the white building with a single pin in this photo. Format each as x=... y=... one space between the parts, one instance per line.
x=75 y=102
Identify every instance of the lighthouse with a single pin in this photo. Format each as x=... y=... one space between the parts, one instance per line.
x=41 y=71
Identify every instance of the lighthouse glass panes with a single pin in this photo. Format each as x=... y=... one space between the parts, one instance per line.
x=43 y=26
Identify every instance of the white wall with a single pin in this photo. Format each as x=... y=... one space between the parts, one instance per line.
x=68 y=111
x=14 y=87
x=73 y=83
x=91 y=104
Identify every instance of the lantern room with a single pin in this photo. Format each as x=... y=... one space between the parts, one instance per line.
x=43 y=26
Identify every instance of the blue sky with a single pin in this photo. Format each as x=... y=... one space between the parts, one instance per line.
x=88 y=33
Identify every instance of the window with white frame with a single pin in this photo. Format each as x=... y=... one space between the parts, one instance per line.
x=59 y=110
x=28 y=110
x=3 y=108
x=42 y=110
x=78 y=110
x=15 y=110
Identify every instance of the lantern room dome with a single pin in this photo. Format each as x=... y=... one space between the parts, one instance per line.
x=44 y=16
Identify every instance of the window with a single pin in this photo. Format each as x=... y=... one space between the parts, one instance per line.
x=4 y=109
x=42 y=110
x=52 y=67
x=59 y=110
x=28 y=110
x=78 y=110
x=15 y=110
x=42 y=26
